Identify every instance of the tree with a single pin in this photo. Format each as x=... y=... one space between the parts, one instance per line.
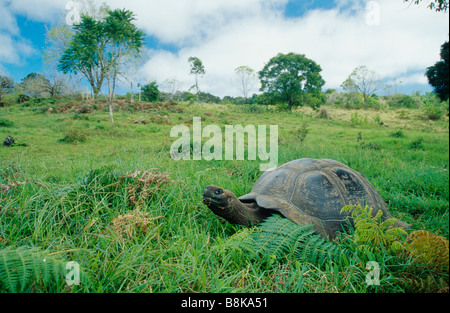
x=33 y=85
x=245 y=80
x=99 y=47
x=172 y=86
x=438 y=5
x=6 y=86
x=198 y=70
x=150 y=92
x=291 y=76
x=364 y=81
x=438 y=74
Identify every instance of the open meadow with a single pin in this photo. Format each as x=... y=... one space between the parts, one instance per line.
x=76 y=188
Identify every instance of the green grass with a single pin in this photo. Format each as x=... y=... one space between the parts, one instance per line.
x=45 y=204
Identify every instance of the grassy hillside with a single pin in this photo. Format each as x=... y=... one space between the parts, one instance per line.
x=109 y=197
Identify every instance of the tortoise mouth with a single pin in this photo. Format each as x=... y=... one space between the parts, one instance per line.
x=211 y=202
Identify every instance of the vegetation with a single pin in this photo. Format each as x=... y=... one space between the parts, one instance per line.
x=291 y=77
x=81 y=195
x=100 y=48
x=438 y=74
x=198 y=70
x=110 y=198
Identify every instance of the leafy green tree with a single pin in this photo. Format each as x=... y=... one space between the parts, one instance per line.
x=150 y=92
x=291 y=76
x=198 y=70
x=99 y=48
x=438 y=74
x=364 y=81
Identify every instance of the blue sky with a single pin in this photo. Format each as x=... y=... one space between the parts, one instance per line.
x=395 y=39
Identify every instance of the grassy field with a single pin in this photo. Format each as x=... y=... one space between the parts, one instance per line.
x=77 y=188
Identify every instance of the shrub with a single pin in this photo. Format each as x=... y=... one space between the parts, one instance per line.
x=323 y=114
x=417 y=144
x=397 y=134
x=6 y=123
x=433 y=108
x=73 y=136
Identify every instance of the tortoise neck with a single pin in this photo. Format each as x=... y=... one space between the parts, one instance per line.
x=246 y=214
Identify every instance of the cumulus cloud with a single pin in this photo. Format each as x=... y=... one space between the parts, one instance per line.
x=402 y=40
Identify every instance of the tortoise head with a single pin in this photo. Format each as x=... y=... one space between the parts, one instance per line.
x=225 y=204
x=218 y=200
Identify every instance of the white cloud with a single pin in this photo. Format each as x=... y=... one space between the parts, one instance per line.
x=407 y=40
x=41 y=10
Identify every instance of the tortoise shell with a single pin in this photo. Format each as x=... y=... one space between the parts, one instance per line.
x=310 y=191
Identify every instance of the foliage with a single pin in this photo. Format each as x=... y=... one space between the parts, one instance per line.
x=34 y=85
x=291 y=75
x=428 y=249
x=432 y=107
x=364 y=81
x=245 y=81
x=438 y=5
x=278 y=237
x=371 y=232
x=64 y=197
x=73 y=136
x=417 y=144
x=98 y=47
x=438 y=74
x=6 y=123
x=6 y=86
x=24 y=266
x=150 y=92
x=198 y=70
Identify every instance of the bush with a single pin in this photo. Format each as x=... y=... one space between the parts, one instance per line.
x=6 y=123
x=417 y=144
x=73 y=136
x=433 y=108
x=323 y=114
x=397 y=134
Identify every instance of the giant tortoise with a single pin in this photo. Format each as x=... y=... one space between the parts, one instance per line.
x=306 y=191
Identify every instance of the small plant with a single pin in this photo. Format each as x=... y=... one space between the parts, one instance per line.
x=417 y=144
x=428 y=249
x=23 y=98
x=6 y=123
x=373 y=234
x=377 y=120
x=301 y=132
x=356 y=120
x=133 y=224
x=323 y=114
x=21 y=267
x=397 y=134
x=73 y=136
x=433 y=108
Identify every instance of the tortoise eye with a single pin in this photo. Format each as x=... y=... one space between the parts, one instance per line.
x=218 y=192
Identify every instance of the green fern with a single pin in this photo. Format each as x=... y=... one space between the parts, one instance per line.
x=373 y=234
x=21 y=266
x=279 y=237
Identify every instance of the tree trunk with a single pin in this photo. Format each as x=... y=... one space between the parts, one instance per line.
x=365 y=100
x=111 y=118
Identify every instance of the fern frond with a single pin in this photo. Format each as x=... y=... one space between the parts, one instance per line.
x=373 y=234
x=19 y=267
x=279 y=237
